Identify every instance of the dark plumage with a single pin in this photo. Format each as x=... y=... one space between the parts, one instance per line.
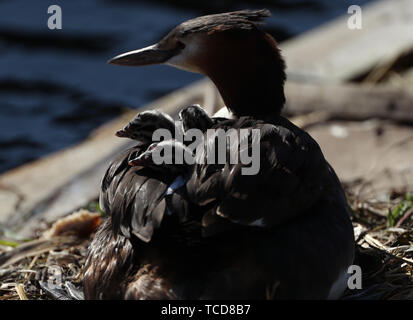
x=194 y=117
x=292 y=166
x=243 y=19
x=137 y=201
x=236 y=229
x=134 y=195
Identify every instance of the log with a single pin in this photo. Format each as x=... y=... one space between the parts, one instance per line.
x=351 y=101
x=335 y=53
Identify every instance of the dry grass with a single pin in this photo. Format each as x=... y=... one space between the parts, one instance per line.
x=49 y=266
x=384 y=251
x=29 y=274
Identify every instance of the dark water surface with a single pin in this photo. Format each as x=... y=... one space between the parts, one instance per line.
x=55 y=85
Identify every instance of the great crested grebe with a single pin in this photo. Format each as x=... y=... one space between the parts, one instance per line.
x=228 y=235
x=243 y=61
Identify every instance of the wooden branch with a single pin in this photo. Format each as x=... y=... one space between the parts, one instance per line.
x=351 y=101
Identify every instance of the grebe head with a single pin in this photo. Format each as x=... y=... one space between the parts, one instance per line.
x=164 y=155
x=243 y=61
x=194 y=117
x=143 y=125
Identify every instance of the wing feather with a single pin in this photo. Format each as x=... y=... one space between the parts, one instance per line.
x=293 y=176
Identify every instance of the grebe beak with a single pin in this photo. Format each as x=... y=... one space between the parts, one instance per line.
x=143 y=57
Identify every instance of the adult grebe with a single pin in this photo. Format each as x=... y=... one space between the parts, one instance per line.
x=287 y=227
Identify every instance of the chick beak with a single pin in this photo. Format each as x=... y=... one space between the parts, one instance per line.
x=121 y=134
x=142 y=160
x=142 y=57
x=136 y=162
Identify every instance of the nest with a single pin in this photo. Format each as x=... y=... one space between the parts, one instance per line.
x=50 y=267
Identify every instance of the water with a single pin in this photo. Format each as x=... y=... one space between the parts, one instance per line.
x=55 y=85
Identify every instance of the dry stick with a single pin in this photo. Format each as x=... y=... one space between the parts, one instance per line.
x=375 y=244
x=34 y=248
x=28 y=275
x=9 y=297
x=407 y=214
x=381 y=70
x=20 y=291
